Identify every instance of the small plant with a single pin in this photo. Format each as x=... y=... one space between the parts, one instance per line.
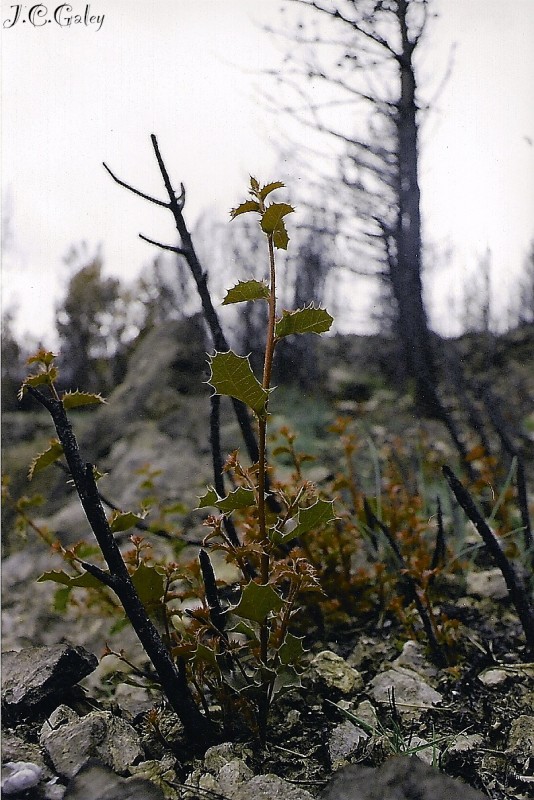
x=241 y=655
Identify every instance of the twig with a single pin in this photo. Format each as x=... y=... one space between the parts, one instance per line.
x=517 y=592
x=173 y=685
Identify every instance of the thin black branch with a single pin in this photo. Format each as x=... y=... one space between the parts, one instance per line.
x=135 y=191
x=517 y=591
x=179 y=250
x=173 y=685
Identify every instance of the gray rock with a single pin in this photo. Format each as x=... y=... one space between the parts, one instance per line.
x=72 y=742
x=38 y=677
x=487 y=583
x=521 y=737
x=19 y=776
x=399 y=778
x=97 y=782
x=223 y=770
x=413 y=657
x=344 y=740
x=412 y=693
x=270 y=787
x=336 y=673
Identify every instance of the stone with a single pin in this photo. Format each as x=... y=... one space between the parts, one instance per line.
x=521 y=737
x=270 y=787
x=95 y=781
x=71 y=742
x=336 y=673
x=37 y=678
x=19 y=776
x=487 y=583
x=344 y=741
x=412 y=693
x=399 y=778
x=464 y=743
x=413 y=657
x=223 y=770
x=493 y=677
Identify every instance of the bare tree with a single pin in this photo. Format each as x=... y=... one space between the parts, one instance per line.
x=359 y=55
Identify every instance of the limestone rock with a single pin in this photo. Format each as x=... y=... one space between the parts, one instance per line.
x=97 y=782
x=521 y=737
x=413 y=657
x=270 y=787
x=412 y=693
x=70 y=741
x=487 y=583
x=336 y=673
x=224 y=770
x=38 y=677
x=344 y=740
x=19 y=776
x=399 y=778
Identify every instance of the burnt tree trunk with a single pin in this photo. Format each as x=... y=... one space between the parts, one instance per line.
x=406 y=268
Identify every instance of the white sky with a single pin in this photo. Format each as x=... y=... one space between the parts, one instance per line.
x=188 y=71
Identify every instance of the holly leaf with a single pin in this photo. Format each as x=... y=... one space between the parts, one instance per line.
x=209 y=499
x=124 y=520
x=270 y=187
x=149 y=584
x=308 y=519
x=232 y=375
x=41 y=379
x=77 y=399
x=247 y=290
x=272 y=222
x=43 y=460
x=303 y=320
x=244 y=208
x=287 y=678
x=239 y=498
x=42 y=356
x=257 y=602
x=291 y=651
x=205 y=655
x=84 y=581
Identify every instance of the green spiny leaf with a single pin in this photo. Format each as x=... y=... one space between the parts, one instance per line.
x=303 y=320
x=232 y=375
x=272 y=222
x=77 y=399
x=270 y=187
x=43 y=460
x=291 y=651
x=209 y=499
x=124 y=520
x=43 y=378
x=205 y=655
x=84 y=581
x=319 y=514
x=150 y=585
x=239 y=498
x=42 y=357
x=244 y=208
x=246 y=290
x=257 y=602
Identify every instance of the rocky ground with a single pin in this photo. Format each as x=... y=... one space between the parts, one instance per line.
x=374 y=717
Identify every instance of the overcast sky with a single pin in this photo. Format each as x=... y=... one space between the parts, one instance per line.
x=74 y=95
